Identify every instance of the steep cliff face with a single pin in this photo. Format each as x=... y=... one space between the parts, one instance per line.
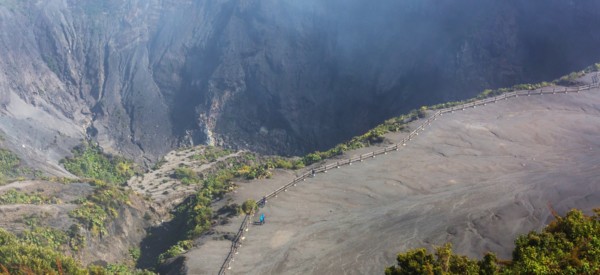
x=142 y=77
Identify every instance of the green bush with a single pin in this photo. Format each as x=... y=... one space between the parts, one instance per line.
x=175 y=250
x=135 y=253
x=249 y=206
x=12 y=169
x=17 y=197
x=186 y=175
x=197 y=213
x=569 y=79
x=422 y=112
x=76 y=238
x=283 y=164
x=312 y=158
x=9 y=163
x=298 y=164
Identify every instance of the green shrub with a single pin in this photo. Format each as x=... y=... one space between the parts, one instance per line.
x=76 y=238
x=45 y=237
x=312 y=158
x=175 y=250
x=197 y=213
x=12 y=169
x=570 y=79
x=186 y=175
x=249 y=206
x=283 y=164
x=298 y=164
x=9 y=163
x=258 y=171
x=422 y=112
x=17 y=197
x=135 y=253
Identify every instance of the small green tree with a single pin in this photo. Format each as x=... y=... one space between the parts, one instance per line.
x=488 y=265
x=568 y=245
x=422 y=112
x=416 y=261
x=249 y=206
x=312 y=158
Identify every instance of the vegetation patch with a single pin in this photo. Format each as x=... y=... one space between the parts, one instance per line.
x=249 y=206
x=37 y=251
x=106 y=172
x=211 y=154
x=100 y=207
x=17 y=197
x=568 y=245
x=12 y=169
x=254 y=172
x=175 y=250
x=186 y=175
x=22 y=257
x=372 y=136
x=89 y=161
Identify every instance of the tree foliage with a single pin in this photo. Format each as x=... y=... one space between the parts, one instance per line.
x=568 y=245
x=18 y=197
x=249 y=206
x=23 y=257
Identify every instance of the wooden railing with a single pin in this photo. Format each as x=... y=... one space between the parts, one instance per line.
x=236 y=243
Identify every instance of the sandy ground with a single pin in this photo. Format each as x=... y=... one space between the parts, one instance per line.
x=476 y=178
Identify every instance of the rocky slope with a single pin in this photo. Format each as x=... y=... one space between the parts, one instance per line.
x=142 y=77
x=122 y=234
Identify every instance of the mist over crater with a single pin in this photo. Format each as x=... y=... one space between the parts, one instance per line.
x=279 y=77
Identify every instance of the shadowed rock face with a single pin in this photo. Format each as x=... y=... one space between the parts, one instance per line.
x=142 y=77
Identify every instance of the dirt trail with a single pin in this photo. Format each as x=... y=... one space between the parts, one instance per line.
x=476 y=178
